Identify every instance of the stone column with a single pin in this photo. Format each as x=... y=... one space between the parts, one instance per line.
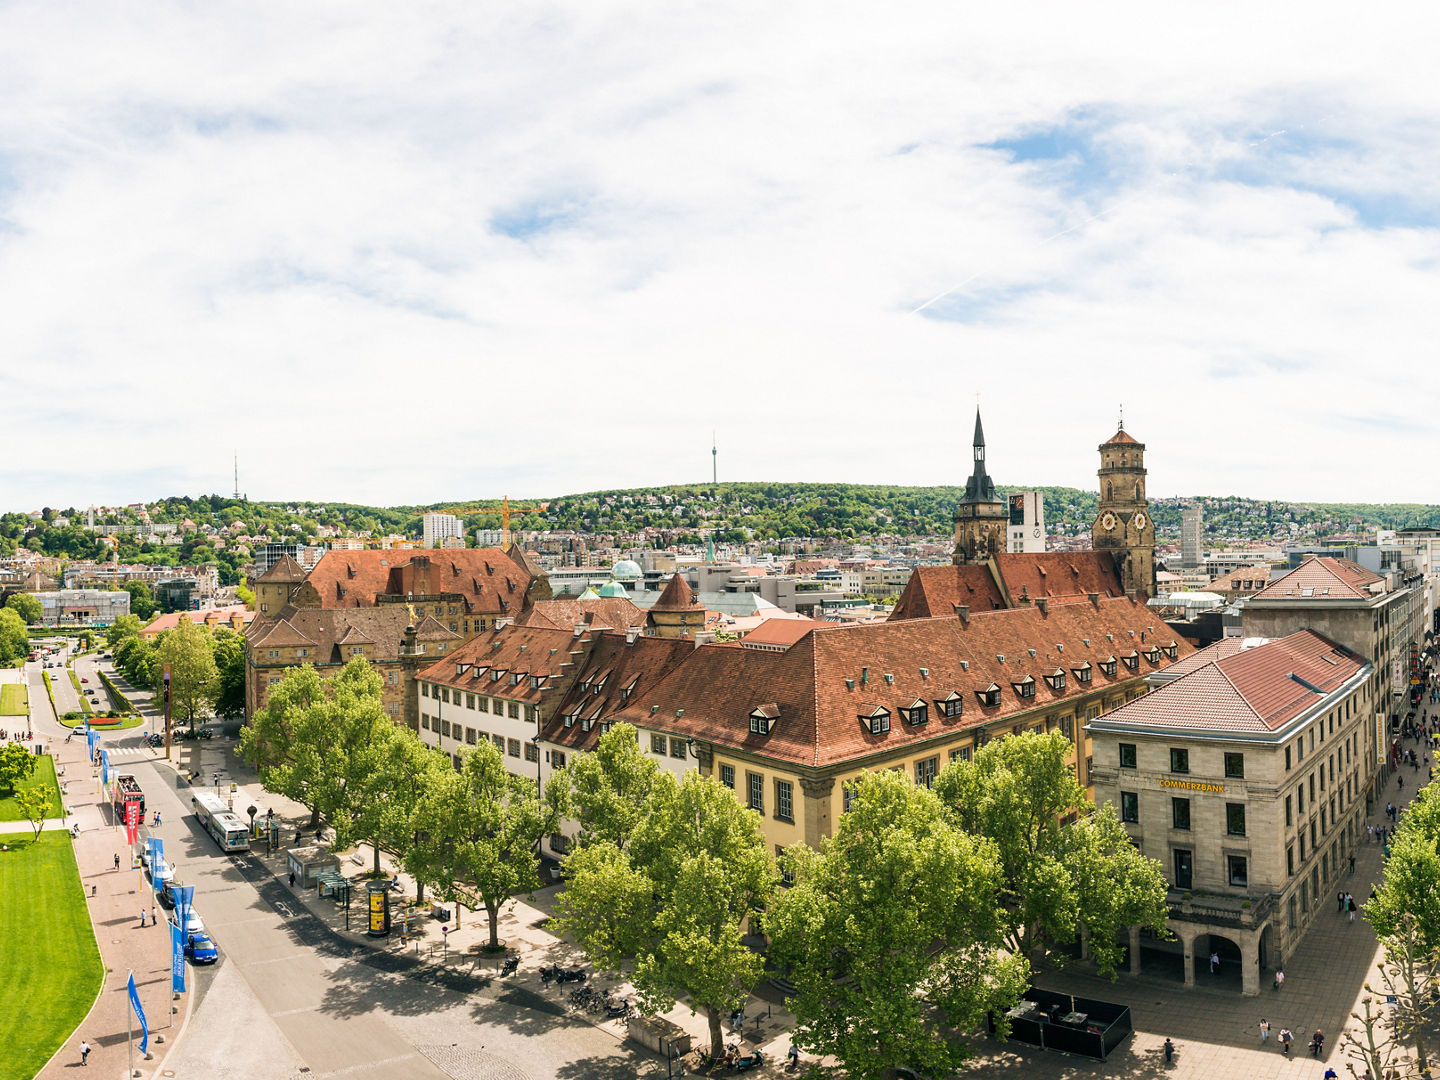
x=817 y=793
x=1134 y=950
x=1187 y=943
x=1250 y=965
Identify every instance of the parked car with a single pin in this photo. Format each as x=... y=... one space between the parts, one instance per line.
x=83 y=679
x=160 y=872
x=78 y=729
x=205 y=733
x=200 y=949
x=166 y=896
x=193 y=923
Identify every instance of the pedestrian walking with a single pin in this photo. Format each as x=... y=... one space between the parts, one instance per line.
x=1214 y=961
x=1285 y=1040
x=292 y=879
x=117 y=860
x=1317 y=1043
x=1264 y=1031
x=84 y=1052
x=1352 y=864
x=1371 y=829
x=1169 y=1051
x=154 y=921
x=1331 y=1074
x=1279 y=978
x=1340 y=901
x=1350 y=906
x=142 y=918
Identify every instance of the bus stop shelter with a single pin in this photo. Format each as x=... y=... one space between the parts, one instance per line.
x=307 y=863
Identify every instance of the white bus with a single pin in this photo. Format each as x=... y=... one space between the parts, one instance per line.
x=228 y=829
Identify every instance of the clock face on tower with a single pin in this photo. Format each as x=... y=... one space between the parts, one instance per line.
x=1140 y=521
x=1107 y=521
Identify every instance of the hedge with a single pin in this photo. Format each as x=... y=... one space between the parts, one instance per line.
x=116 y=697
x=51 y=691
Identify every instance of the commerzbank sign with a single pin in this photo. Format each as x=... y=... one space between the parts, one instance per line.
x=1191 y=785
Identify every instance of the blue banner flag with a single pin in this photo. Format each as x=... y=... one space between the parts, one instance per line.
x=157 y=849
x=177 y=959
x=184 y=894
x=105 y=767
x=91 y=738
x=140 y=1014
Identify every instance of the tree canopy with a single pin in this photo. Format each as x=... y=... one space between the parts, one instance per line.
x=16 y=764
x=14 y=638
x=675 y=902
x=27 y=607
x=605 y=791
x=189 y=651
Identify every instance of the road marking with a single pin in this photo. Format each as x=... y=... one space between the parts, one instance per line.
x=291 y=1012
x=284 y=909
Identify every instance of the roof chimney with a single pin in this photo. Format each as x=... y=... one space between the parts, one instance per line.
x=1043 y=604
x=631 y=633
x=1094 y=598
x=579 y=628
x=963 y=611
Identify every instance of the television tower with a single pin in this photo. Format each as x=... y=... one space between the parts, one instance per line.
x=714 y=459
x=237 y=476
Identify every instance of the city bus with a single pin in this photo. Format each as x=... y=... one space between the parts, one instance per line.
x=228 y=829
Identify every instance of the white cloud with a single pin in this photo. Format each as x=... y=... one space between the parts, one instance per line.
x=458 y=250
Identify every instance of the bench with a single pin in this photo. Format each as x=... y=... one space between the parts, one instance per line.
x=357 y=858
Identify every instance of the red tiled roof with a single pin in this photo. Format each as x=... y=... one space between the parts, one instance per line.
x=1321 y=578
x=284 y=569
x=326 y=628
x=677 y=596
x=1059 y=575
x=614 y=612
x=629 y=671
x=782 y=632
x=936 y=590
x=490 y=580
x=710 y=693
x=1121 y=436
x=1258 y=690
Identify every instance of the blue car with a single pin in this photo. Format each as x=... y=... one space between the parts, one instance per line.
x=200 y=949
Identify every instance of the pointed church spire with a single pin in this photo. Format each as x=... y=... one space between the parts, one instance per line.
x=979 y=488
x=979 y=431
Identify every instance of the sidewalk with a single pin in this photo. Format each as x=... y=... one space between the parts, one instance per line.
x=124 y=947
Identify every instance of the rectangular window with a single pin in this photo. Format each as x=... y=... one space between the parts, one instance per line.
x=1290 y=860
x=445 y=694
x=557 y=759
x=1235 y=766
x=848 y=795
x=1127 y=755
x=1179 y=761
x=470 y=735
x=1180 y=813
x=532 y=752
x=677 y=748
x=1239 y=870
x=757 y=791
x=1235 y=818
x=1184 y=868
x=425 y=721
x=484 y=704
x=925 y=771
x=727 y=775
x=1289 y=816
x=424 y=689
x=1287 y=759
x=960 y=754
x=512 y=747
x=499 y=741
x=515 y=710
x=784 y=800
x=1130 y=807
x=470 y=701
x=657 y=744
x=445 y=728
x=1300 y=798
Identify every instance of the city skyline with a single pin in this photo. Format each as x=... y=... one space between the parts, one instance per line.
x=277 y=228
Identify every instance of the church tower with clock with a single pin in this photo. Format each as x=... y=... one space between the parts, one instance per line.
x=1123 y=526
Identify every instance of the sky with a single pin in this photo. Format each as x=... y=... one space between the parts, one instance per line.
x=408 y=253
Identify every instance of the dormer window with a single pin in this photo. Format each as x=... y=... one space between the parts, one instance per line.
x=1083 y=673
x=587 y=723
x=1132 y=659
x=1025 y=687
x=496 y=674
x=568 y=719
x=1108 y=665
x=989 y=697
x=537 y=682
x=515 y=677
x=460 y=668
x=1172 y=650
x=1056 y=680
x=876 y=720
x=917 y=714
x=950 y=706
x=1152 y=654
x=763 y=718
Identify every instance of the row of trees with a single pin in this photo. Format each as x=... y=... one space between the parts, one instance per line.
x=207 y=667
x=920 y=916
x=1405 y=913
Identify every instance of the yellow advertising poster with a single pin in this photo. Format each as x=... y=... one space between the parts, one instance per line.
x=377 y=913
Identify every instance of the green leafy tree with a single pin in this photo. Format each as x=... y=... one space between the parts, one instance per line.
x=135 y=659
x=355 y=766
x=1409 y=895
x=1054 y=877
x=676 y=900
x=245 y=596
x=479 y=830
x=285 y=740
x=126 y=626
x=230 y=665
x=606 y=790
x=35 y=805
x=142 y=599
x=194 y=679
x=892 y=935
x=27 y=607
x=16 y=764
x=14 y=639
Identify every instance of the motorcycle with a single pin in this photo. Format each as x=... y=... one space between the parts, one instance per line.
x=570 y=975
x=510 y=966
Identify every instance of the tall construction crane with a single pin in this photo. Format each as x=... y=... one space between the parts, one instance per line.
x=504 y=510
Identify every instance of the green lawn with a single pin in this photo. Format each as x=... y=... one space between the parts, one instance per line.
x=50 y=969
x=43 y=776
x=14 y=700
